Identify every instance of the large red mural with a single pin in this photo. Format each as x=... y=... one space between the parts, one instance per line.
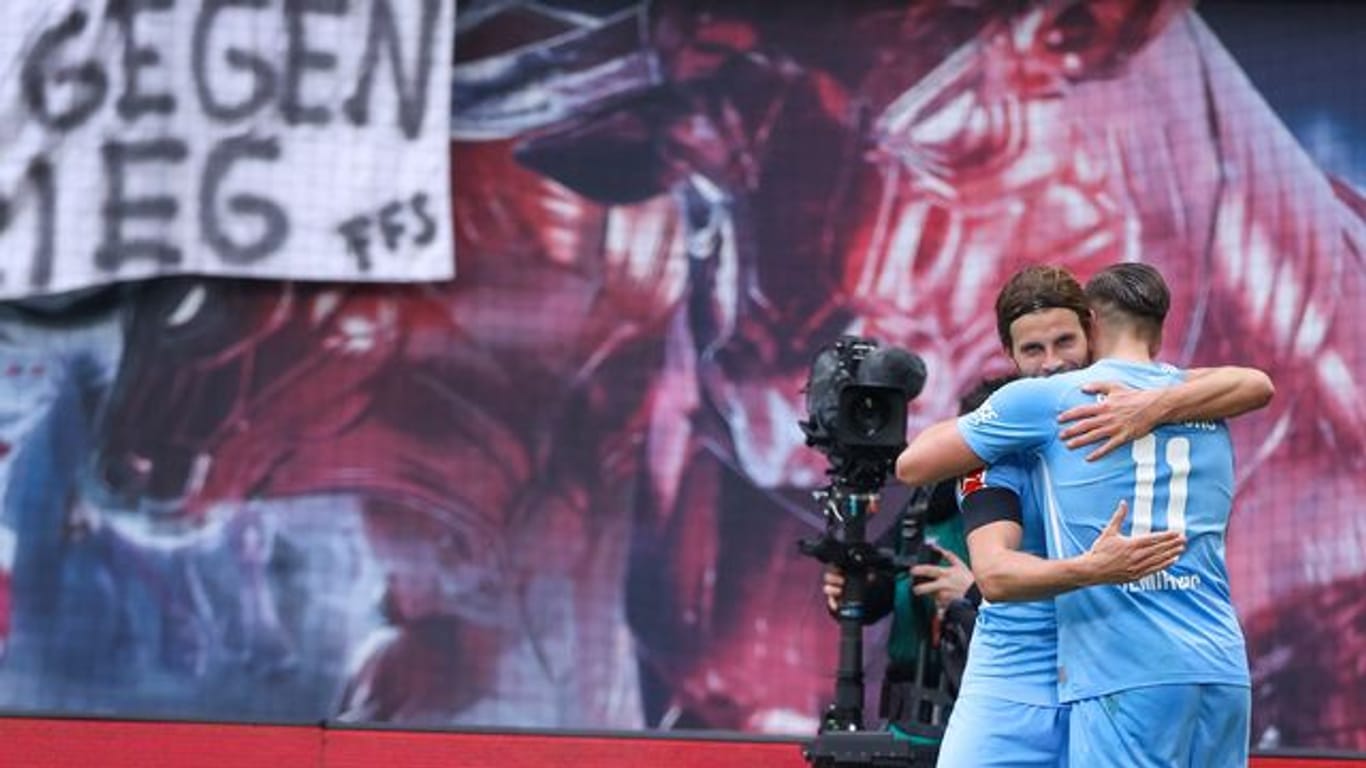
x=564 y=490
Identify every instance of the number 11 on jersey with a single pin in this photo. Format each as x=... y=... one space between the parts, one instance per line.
x=1178 y=460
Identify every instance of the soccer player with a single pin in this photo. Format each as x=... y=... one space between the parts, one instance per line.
x=1155 y=669
x=1007 y=711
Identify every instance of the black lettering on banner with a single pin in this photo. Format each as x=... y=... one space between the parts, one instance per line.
x=262 y=75
x=390 y=219
x=412 y=97
x=275 y=224
x=133 y=104
x=355 y=230
x=390 y=225
x=427 y=234
x=41 y=176
x=114 y=251
x=38 y=65
x=299 y=58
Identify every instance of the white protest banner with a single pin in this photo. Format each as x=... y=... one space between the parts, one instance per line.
x=300 y=139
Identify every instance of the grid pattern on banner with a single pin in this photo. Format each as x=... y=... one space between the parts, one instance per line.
x=564 y=490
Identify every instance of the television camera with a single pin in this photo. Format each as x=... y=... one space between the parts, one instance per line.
x=856 y=397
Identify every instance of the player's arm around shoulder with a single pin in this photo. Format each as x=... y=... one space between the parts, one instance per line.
x=1016 y=418
x=937 y=453
x=1225 y=392
x=1121 y=414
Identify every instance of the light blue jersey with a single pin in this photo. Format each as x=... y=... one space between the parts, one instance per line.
x=1014 y=651
x=1178 y=626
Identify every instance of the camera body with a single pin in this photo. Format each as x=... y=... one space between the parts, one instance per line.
x=856 y=400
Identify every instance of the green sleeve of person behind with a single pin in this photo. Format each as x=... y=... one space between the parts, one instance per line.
x=912 y=618
x=911 y=615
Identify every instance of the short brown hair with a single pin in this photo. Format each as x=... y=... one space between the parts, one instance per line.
x=1037 y=287
x=1131 y=293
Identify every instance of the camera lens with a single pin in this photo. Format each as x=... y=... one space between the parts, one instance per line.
x=870 y=415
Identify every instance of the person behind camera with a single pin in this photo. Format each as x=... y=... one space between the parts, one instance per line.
x=932 y=604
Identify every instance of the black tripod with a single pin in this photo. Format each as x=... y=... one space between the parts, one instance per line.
x=842 y=741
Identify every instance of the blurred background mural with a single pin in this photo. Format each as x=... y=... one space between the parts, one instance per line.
x=564 y=490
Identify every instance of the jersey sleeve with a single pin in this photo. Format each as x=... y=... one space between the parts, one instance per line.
x=992 y=494
x=1021 y=417
x=1007 y=474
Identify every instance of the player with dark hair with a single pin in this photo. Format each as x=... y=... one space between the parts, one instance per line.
x=1184 y=700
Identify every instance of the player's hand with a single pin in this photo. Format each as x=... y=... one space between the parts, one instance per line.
x=944 y=583
x=832 y=584
x=1123 y=415
x=1118 y=559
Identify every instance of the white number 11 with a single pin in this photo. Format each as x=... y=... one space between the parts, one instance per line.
x=1145 y=478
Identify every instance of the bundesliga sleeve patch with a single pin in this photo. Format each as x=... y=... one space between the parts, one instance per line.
x=969 y=483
